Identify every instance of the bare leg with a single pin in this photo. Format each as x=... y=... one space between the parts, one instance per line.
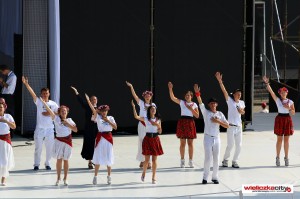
x=286 y=146
x=154 y=166
x=191 y=148
x=108 y=170
x=58 y=168
x=278 y=145
x=2 y=180
x=97 y=166
x=182 y=148
x=66 y=169
x=147 y=158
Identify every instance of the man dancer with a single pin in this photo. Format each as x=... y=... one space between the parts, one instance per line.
x=44 y=130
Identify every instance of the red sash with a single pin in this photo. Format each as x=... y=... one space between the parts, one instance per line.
x=6 y=138
x=105 y=135
x=67 y=140
x=143 y=123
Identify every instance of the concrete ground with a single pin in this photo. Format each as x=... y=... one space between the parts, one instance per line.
x=257 y=163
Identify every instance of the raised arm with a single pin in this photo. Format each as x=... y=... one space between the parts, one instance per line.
x=79 y=98
x=136 y=116
x=220 y=80
x=52 y=114
x=32 y=93
x=137 y=99
x=91 y=107
x=173 y=98
x=267 y=82
x=197 y=93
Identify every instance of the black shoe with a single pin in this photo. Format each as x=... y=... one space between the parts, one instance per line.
x=235 y=165
x=204 y=181
x=215 y=181
x=48 y=168
x=35 y=168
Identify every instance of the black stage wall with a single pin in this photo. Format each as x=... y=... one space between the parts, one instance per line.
x=105 y=43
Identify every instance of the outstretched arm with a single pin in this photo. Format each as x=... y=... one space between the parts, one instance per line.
x=52 y=114
x=173 y=98
x=137 y=99
x=197 y=93
x=267 y=82
x=32 y=93
x=91 y=107
x=136 y=116
x=219 y=78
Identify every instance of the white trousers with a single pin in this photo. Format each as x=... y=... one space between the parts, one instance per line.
x=141 y=133
x=43 y=135
x=234 y=136
x=212 y=151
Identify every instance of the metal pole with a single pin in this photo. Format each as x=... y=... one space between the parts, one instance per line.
x=285 y=37
x=152 y=86
x=244 y=46
x=279 y=23
x=274 y=59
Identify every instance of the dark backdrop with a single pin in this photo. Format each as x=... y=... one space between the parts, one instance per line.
x=105 y=43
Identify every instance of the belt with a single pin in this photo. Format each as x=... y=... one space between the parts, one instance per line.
x=186 y=117
x=105 y=132
x=233 y=125
x=284 y=114
x=211 y=135
x=151 y=135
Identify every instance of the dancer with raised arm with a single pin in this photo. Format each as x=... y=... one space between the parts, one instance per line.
x=236 y=108
x=90 y=128
x=103 y=153
x=186 y=129
x=283 y=126
x=6 y=152
x=62 y=148
x=213 y=119
x=44 y=130
x=151 y=142
x=144 y=105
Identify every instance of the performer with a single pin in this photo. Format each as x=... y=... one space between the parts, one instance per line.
x=151 y=143
x=144 y=105
x=236 y=108
x=103 y=153
x=186 y=129
x=62 y=148
x=212 y=143
x=283 y=126
x=90 y=128
x=8 y=88
x=44 y=130
x=6 y=153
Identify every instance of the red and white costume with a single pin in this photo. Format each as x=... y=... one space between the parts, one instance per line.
x=283 y=121
x=6 y=153
x=104 y=153
x=151 y=142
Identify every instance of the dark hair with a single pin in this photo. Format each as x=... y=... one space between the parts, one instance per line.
x=190 y=92
x=212 y=99
x=157 y=115
x=44 y=89
x=4 y=67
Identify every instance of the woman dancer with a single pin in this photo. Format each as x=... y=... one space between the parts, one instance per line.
x=6 y=153
x=213 y=119
x=62 y=148
x=283 y=127
x=147 y=95
x=186 y=129
x=151 y=143
x=90 y=128
x=103 y=153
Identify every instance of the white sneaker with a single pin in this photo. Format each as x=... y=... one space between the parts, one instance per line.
x=182 y=163
x=108 y=180
x=66 y=183
x=57 y=182
x=95 y=180
x=225 y=163
x=286 y=160
x=3 y=184
x=191 y=163
x=277 y=161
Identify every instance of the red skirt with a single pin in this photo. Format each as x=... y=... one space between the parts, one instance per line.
x=283 y=125
x=152 y=146
x=186 y=128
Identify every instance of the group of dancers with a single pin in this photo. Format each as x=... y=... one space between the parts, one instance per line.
x=98 y=141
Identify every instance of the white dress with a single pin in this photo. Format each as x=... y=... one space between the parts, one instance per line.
x=7 y=161
x=104 y=153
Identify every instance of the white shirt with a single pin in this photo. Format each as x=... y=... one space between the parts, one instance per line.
x=184 y=110
x=104 y=126
x=11 y=82
x=4 y=128
x=149 y=127
x=144 y=107
x=280 y=104
x=234 y=117
x=211 y=128
x=60 y=129
x=41 y=120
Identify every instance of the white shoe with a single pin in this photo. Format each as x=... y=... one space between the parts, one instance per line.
x=277 y=161
x=191 y=163
x=286 y=161
x=182 y=163
x=108 y=180
x=57 y=182
x=95 y=180
x=66 y=183
x=3 y=184
x=225 y=163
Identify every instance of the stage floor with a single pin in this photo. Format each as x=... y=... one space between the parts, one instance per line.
x=257 y=162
